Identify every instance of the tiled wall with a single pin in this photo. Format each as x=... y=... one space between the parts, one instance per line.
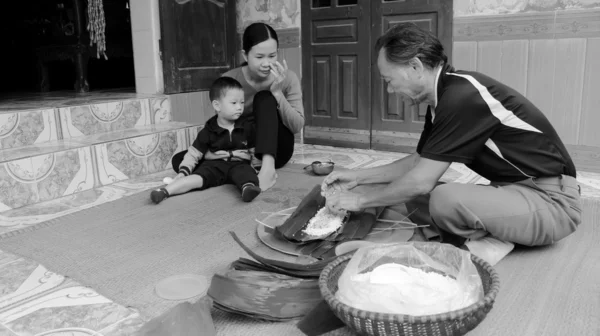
x=280 y=14
x=551 y=57
x=34 y=168
x=493 y=7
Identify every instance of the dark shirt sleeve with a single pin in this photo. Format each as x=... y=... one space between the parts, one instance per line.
x=202 y=141
x=460 y=126
x=426 y=131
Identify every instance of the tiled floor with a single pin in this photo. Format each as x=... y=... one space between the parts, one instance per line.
x=57 y=99
x=35 y=301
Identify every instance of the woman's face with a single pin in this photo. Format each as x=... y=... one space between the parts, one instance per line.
x=260 y=58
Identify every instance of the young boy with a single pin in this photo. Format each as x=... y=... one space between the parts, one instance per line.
x=223 y=132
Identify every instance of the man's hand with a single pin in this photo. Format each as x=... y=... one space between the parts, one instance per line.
x=180 y=175
x=340 y=202
x=338 y=182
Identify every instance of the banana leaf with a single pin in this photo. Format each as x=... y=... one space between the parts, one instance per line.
x=293 y=227
x=301 y=270
x=264 y=295
x=355 y=225
x=184 y=319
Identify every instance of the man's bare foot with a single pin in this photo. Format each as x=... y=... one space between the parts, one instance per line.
x=266 y=178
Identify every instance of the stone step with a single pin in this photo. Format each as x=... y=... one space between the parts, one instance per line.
x=47 y=147
x=59 y=168
x=23 y=125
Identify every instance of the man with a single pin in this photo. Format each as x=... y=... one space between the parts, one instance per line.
x=533 y=198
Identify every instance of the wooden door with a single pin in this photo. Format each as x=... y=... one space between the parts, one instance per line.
x=197 y=42
x=336 y=72
x=397 y=125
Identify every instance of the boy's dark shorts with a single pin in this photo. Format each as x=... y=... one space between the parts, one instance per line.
x=215 y=173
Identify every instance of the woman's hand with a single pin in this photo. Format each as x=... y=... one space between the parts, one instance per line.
x=279 y=72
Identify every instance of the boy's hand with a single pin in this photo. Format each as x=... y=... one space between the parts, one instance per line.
x=180 y=175
x=216 y=155
x=242 y=154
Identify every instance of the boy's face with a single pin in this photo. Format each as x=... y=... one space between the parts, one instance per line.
x=231 y=105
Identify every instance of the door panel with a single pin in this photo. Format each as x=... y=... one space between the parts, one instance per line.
x=345 y=100
x=390 y=112
x=197 y=42
x=335 y=46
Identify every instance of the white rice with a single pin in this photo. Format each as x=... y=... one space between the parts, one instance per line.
x=323 y=223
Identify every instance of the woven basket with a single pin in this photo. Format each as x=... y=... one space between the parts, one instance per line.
x=457 y=322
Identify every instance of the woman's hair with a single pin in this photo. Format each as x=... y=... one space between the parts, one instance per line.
x=406 y=40
x=256 y=33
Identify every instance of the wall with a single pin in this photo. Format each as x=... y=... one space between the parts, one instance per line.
x=546 y=49
x=495 y=7
x=145 y=27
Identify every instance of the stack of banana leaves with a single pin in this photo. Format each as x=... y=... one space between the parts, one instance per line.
x=267 y=289
x=276 y=290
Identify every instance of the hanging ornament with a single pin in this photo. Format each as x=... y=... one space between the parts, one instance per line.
x=96 y=27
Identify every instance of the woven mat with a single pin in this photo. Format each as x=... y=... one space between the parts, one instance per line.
x=123 y=248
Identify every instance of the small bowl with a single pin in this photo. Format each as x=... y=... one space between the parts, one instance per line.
x=320 y=168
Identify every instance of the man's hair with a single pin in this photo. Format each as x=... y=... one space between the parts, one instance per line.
x=406 y=40
x=220 y=87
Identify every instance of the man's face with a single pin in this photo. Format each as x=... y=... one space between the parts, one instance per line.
x=400 y=79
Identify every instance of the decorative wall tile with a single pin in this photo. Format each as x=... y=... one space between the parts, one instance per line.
x=279 y=14
x=543 y=25
x=192 y=133
x=120 y=160
x=169 y=144
x=17 y=184
x=63 y=173
x=27 y=128
x=58 y=99
x=579 y=23
x=105 y=117
x=160 y=109
x=489 y=7
x=504 y=27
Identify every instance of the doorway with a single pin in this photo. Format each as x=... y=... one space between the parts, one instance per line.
x=346 y=101
x=46 y=49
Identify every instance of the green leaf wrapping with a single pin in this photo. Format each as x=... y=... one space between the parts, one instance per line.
x=265 y=296
x=356 y=226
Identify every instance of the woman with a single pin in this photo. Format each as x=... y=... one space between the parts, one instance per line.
x=273 y=98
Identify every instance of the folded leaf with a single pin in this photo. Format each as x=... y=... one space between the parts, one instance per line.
x=265 y=295
x=317 y=266
x=292 y=228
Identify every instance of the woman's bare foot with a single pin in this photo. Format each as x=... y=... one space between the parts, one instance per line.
x=266 y=178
